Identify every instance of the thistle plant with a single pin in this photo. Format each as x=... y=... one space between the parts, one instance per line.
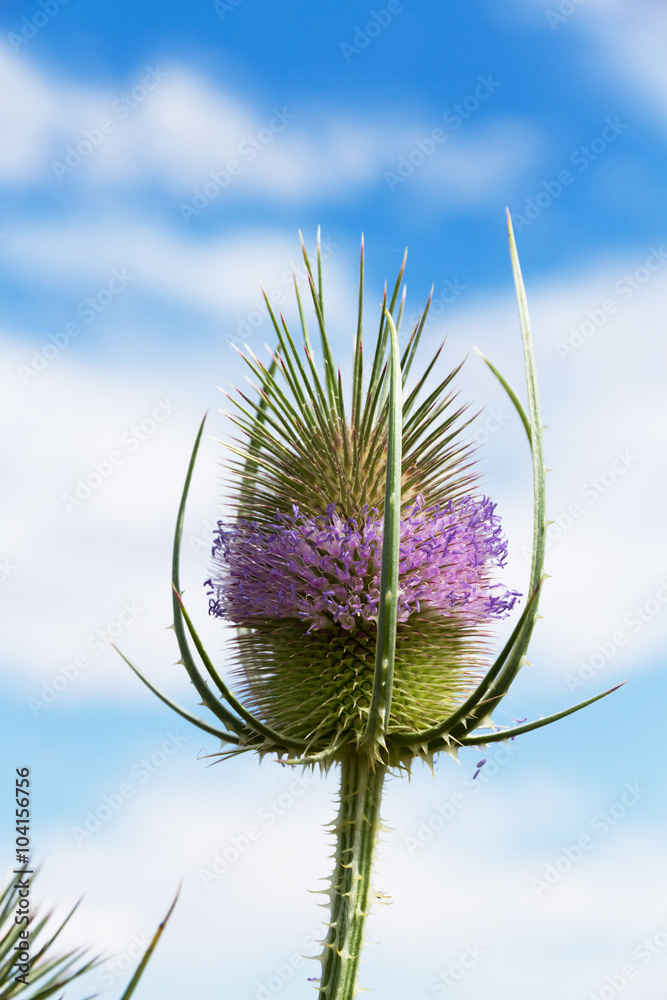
x=359 y=572
x=31 y=968
x=45 y=970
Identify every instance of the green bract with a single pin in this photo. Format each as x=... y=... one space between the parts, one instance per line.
x=50 y=970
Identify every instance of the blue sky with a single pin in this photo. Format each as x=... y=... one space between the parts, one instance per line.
x=155 y=167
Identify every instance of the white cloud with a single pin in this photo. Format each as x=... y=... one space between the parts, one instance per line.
x=25 y=120
x=633 y=36
x=221 y=275
x=629 y=32
x=64 y=560
x=199 y=142
x=474 y=170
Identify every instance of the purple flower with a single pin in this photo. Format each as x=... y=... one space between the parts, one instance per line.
x=325 y=571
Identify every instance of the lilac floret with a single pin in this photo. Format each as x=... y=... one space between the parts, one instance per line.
x=324 y=570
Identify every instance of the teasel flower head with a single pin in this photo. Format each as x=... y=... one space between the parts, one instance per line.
x=361 y=565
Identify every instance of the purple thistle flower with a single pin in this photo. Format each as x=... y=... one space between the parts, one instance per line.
x=480 y=765
x=325 y=571
x=304 y=589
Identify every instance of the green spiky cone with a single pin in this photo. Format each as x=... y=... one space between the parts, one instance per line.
x=318 y=686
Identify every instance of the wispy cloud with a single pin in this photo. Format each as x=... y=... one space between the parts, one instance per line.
x=221 y=274
x=168 y=126
x=630 y=34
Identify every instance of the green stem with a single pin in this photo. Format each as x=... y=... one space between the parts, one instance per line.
x=356 y=829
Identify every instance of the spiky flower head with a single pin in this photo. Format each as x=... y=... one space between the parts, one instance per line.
x=299 y=570
x=359 y=565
